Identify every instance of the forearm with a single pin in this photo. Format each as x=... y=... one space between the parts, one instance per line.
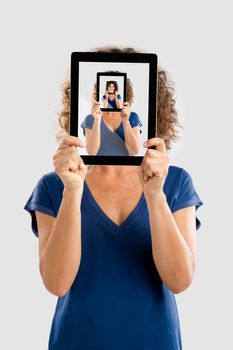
x=118 y=103
x=93 y=143
x=131 y=140
x=61 y=257
x=105 y=103
x=172 y=256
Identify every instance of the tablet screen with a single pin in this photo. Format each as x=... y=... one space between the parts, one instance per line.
x=121 y=125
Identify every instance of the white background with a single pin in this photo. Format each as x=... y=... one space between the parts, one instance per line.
x=194 y=43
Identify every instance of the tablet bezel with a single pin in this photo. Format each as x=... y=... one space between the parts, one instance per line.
x=98 y=88
x=150 y=58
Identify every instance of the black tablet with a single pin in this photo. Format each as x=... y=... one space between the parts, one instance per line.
x=124 y=85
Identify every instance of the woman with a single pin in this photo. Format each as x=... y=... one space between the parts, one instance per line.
x=116 y=243
x=113 y=133
x=112 y=99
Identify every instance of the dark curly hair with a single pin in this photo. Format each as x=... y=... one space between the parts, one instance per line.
x=109 y=82
x=166 y=112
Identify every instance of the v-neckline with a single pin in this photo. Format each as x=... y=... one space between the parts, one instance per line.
x=110 y=222
x=109 y=128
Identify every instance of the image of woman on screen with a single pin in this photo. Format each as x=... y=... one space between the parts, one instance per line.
x=112 y=98
x=106 y=132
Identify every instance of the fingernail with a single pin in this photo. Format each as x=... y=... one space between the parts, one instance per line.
x=145 y=178
x=145 y=143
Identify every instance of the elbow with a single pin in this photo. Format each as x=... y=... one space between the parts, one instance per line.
x=137 y=148
x=134 y=151
x=56 y=288
x=183 y=281
x=180 y=288
x=184 y=284
x=57 y=292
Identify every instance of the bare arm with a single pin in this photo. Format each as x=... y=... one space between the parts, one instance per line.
x=60 y=237
x=105 y=101
x=172 y=235
x=131 y=137
x=173 y=242
x=118 y=102
x=60 y=244
x=93 y=138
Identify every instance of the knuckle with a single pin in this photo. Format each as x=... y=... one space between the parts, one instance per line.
x=72 y=148
x=150 y=166
x=150 y=151
x=147 y=164
x=65 y=138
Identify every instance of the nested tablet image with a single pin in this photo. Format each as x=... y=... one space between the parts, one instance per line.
x=113 y=107
x=114 y=101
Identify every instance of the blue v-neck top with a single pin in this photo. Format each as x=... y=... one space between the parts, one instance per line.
x=112 y=142
x=117 y=300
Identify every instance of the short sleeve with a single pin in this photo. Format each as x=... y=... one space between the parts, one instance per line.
x=187 y=195
x=87 y=123
x=135 y=121
x=40 y=200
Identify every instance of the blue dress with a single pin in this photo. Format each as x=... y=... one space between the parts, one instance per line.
x=112 y=142
x=117 y=300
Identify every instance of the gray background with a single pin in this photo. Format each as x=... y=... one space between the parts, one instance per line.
x=194 y=43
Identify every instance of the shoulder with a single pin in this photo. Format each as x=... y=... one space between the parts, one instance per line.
x=172 y=183
x=88 y=121
x=178 y=181
x=133 y=115
x=173 y=179
x=54 y=188
x=51 y=178
x=89 y=117
x=134 y=119
x=177 y=173
x=175 y=170
x=53 y=184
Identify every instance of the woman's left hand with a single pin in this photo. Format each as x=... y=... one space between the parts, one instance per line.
x=154 y=167
x=125 y=112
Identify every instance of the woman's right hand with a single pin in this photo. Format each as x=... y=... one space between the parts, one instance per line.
x=96 y=111
x=68 y=164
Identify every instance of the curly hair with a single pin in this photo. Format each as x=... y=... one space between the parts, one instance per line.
x=109 y=82
x=167 y=120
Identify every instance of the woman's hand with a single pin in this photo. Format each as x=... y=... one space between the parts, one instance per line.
x=96 y=111
x=154 y=167
x=68 y=164
x=125 y=112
